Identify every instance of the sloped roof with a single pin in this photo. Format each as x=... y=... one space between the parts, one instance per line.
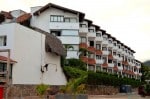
x=4 y=59
x=38 y=12
x=23 y=18
x=7 y=14
x=52 y=44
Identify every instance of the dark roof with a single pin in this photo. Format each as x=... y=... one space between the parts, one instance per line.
x=52 y=44
x=81 y=15
x=96 y=26
x=7 y=14
x=23 y=18
x=89 y=21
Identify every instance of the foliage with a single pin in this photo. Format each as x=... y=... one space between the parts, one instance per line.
x=77 y=63
x=145 y=73
x=110 y=79
x=82 y=51
x=72 y=73
x=41 y=89
x=147 y=88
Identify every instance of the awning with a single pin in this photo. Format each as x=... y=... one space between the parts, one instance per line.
x=3 y=59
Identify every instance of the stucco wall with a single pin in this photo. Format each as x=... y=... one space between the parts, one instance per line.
x=28 y=49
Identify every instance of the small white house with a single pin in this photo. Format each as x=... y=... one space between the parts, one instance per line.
x=35 y=55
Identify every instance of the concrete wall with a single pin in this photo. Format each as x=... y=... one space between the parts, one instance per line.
x=28 y=49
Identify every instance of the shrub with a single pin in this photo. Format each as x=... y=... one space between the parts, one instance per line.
x=77 y=63
x=41 y=89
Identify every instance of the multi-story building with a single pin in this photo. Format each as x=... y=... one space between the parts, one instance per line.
x=100 y=50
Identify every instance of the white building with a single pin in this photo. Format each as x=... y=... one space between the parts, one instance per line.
x=35 y=56
x=105 y=52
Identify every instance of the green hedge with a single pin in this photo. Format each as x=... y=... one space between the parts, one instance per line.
x=109 y=79
x=72 y=73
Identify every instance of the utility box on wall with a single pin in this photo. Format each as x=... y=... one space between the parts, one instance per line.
x=125 y=89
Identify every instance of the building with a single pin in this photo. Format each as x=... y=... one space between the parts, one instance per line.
x=102 y=51
x=35 y=56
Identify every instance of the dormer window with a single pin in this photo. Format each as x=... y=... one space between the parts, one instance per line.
x=3 y=40
x=105 y=38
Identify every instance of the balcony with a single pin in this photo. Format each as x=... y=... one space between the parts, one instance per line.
x=110 y=65
x=91 y=34
x=105 y=52
x=91 y=61
x=98 y=39
x=120 y=68
x=115 y=56
x=125 y=63
x=120 y=58
x=115 y=68
x=115 y=48
x=84 y=59
x=63 y=25
x=105 y=42
x=110 y=57
x=83 y=30
x=91 y=49
x=83 y=45
x=110 y=45
x=69 y=40
x=99 y=52
x=105 y=65
x=99 y=61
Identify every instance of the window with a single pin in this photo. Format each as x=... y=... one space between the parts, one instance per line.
x=110 y=51
x=98 y=57
x=119 y=64
x=105 y=38
x=70 y=19
x=98 y=46
x=83 y=25
x=114 y=53
x=91 y=56
x=83 y=39
x=110 y=41
x=91 y=30
x=3 y=40
x=98 y=34
x=91 y=43
x=115 y=44
x=110 y=61
x=104 y=48
x=3 y=67
x=56 y=33
x=56 y=18
x=115 y=63
x=105 y=59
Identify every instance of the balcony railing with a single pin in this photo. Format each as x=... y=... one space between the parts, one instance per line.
x=83 y=45
x=91 y=49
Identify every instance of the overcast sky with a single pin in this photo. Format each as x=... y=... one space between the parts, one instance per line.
x=127 y=20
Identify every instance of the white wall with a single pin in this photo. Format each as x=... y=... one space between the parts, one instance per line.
x=43 y=20
x=7 y=30
x=29 y=52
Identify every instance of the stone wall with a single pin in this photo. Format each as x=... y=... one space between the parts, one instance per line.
x=102 y=90
x=28 y=90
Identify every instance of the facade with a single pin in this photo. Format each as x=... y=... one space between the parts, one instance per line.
x=93 y=45
x=34 y=60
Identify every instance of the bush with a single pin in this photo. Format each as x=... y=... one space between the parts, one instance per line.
x=72 y=73
x=77 y=63
x=101 y=78
x=41 y=89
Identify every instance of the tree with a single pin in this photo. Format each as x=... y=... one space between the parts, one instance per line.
x=145 y=72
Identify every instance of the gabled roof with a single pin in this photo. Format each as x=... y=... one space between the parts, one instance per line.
x=49 y=5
